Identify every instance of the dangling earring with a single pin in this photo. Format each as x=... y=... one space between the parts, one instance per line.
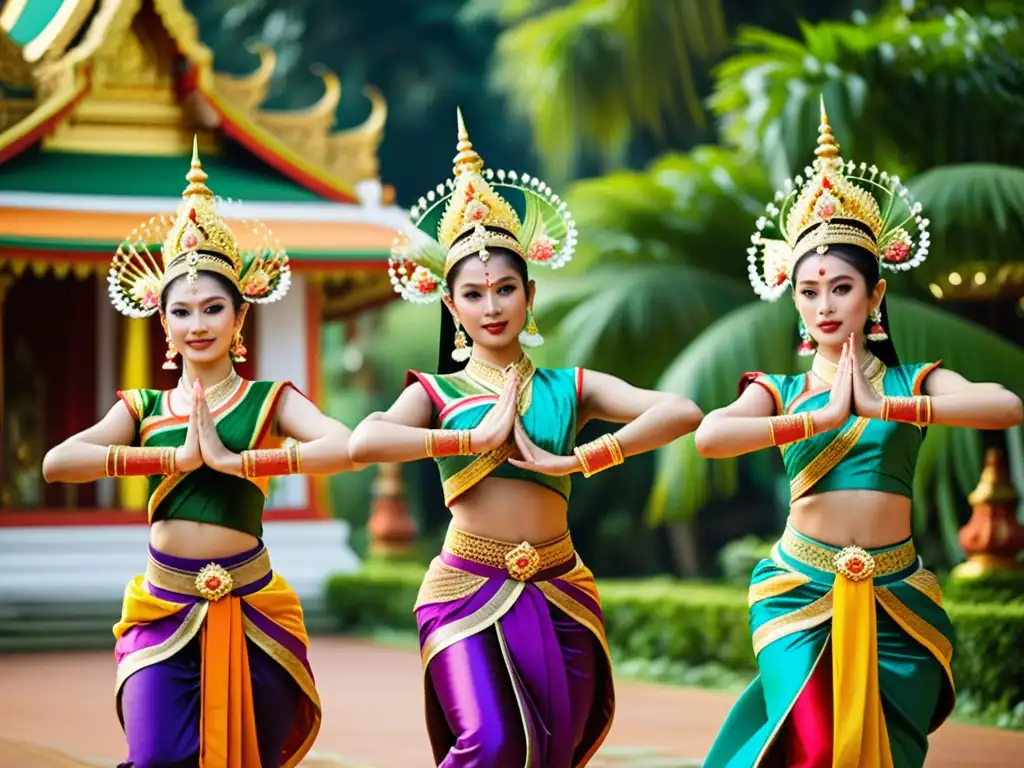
x=238 y=350
x=530 y=336
x=806 y=348
x=169 y=355
x=876 y=332
x=462 y=349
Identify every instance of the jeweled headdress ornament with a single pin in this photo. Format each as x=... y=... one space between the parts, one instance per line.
x=835 y=203
x=196 y=239
x=420 y=261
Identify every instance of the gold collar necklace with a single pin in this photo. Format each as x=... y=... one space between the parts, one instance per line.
x=493 y=377
x=826 y=369
x=219 y=393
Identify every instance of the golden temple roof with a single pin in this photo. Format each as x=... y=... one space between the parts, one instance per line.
x=104 y=76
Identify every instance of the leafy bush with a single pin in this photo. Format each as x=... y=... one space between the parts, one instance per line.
x=686 y=628
x=738 y=558
x=992 y=587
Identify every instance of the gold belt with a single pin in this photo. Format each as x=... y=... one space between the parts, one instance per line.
x=854 y=563
x=213 y=581
x=522 y=561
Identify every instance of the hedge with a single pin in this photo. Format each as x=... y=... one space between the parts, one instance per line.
x=695 y=624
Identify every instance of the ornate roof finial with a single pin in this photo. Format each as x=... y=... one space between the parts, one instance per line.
x=196 y=176
x=467 y=160
x=827 y=146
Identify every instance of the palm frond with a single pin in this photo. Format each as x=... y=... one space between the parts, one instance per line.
x=589 y=73
x=976 y=212
x=761 y=337
x=601 y=319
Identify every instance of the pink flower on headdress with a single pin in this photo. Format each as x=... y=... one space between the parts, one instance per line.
x=898 y=249
x=826 y=207
x=542 y=249
x=257 y=283
x=476 y=211
x=147 y=294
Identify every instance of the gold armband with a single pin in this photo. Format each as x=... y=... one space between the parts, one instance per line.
x=598 y=455
x=790 y=428
x=908 y=410
x=126 y=461
x=267 y=462
x=439 y=443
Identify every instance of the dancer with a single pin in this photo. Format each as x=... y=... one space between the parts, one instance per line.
x=211 y=649
x=852 y=643
x=511 y=632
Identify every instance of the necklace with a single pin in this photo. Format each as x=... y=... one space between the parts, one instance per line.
x=219 y=393
x=492 y=378
x=874 y=369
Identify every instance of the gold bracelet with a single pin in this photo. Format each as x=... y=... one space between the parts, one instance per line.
x=129 y=461
x=439 y=443
x=598 y=455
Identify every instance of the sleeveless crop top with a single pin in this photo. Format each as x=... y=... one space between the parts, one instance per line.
x=243 y=421
x=548 y=406
x=863 y=454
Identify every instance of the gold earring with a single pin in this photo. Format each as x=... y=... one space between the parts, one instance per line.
x=238 y=350
x=169 y=355
x=462 y=349
x=530 y=335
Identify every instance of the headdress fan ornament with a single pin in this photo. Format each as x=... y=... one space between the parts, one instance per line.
x=476 y=217
x=196 y=239
x=835 y=203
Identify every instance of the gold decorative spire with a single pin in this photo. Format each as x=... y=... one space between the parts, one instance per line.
x=467 y=160
x=196 y=176
x=827 y=146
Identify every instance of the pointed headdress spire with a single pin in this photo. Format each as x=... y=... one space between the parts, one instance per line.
x=827 y=146
x=467 y=160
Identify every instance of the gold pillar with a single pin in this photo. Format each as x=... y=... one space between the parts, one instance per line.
x=5 y=283
x=133 y=492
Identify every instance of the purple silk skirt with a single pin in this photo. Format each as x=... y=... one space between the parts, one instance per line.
x=517 y=673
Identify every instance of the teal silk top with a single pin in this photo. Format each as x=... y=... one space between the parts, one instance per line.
x=204 y=495
x=548 y=403
x=863 y=454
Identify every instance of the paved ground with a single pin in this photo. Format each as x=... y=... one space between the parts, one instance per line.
x=373 y=716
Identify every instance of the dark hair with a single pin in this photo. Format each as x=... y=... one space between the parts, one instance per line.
x=446 y=343
x=866 y=263
x=230 y=288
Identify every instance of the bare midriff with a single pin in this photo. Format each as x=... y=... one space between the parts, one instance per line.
x=197 y=541
x=511 y=510
x=868 y=519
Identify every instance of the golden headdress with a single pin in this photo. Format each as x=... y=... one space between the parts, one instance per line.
x=832 y=204
x=196 y=239
x=476 y=218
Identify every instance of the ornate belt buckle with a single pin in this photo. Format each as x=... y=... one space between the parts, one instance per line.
x=213 y=582
x=522 y=562
x=854 y=563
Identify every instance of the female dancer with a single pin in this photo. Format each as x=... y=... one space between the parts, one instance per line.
x=511 y=631
x=852 y=643
x=211 y=647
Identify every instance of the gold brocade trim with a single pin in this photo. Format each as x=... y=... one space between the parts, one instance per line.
x=163 y=491
x=154 y=654
x=299 y=674
x=782 y=721
x=219 y=393
x=824 y=558
x=925 y=582
x=917 y=628
x=492 y=378
x=873 y=368
x=160 y=422
x=774 y=586
x=521 y=697
x=477 y=470
x=267 y=411
x=808 y=617
x=829 y=457
x=444 y=584
x=479 y=620
x=184 y=582
x=575 y=610
x=495 y=553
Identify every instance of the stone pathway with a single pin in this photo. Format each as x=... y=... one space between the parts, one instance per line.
x=373 y=716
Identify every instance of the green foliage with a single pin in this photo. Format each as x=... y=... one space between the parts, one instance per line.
x=738 y=558
x=666 y=622
x=591 y=72
x=1003 y=586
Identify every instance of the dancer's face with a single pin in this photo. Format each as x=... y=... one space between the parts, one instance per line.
x=833 y=298
x=202 y=323
x=490 y=300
